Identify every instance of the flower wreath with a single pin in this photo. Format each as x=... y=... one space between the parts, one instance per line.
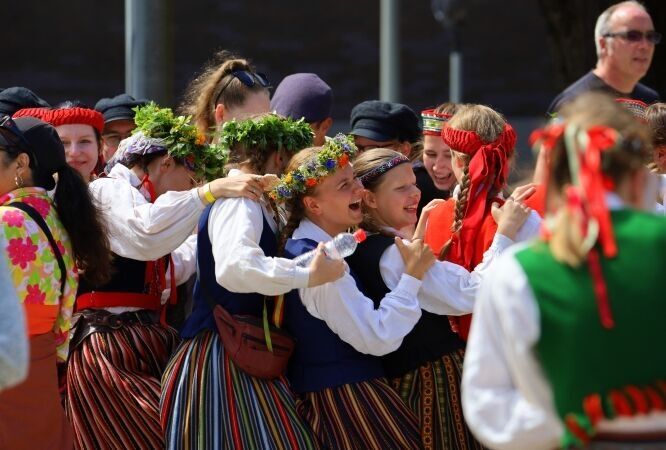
x=335 y=153
x=182 y=140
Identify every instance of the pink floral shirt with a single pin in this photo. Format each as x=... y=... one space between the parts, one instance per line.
x=33 y=266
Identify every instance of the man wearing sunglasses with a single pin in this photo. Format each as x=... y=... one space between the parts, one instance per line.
x=625 y=39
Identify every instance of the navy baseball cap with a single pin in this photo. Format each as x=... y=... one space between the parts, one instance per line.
x=303 y=95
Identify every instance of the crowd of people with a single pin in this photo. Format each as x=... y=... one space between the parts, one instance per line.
x=230 y=276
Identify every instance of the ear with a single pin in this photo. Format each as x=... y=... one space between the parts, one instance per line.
x=220 y=111
x=325 y=125
x=369 y=199
x=312 y=205
x=166 y=164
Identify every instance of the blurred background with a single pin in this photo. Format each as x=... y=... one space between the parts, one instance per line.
x=516 y=54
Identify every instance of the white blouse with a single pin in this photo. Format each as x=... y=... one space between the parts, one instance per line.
x=147 y=231
x=352 y=315
x=447 y=288
x=507 y=400
x=234 y=228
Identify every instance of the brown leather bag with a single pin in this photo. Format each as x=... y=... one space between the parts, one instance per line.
x=245 y=341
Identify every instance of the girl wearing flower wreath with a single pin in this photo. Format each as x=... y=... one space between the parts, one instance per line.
x=425 y=368
x=121 y=344
x=42 y=241
x=207 y=401
x=561 y=353
x=335 y=371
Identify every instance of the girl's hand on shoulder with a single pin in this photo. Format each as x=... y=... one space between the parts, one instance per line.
x=417 y=256
x=419 y=233
x=510 y=217
x=246 y=185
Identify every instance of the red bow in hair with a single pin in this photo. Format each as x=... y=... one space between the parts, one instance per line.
x=488 y=169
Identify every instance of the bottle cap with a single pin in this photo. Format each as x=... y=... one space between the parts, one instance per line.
x=359 y=235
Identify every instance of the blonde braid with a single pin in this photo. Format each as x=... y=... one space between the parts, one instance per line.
x=461 y=205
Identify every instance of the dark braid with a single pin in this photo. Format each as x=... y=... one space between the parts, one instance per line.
x=461 y=205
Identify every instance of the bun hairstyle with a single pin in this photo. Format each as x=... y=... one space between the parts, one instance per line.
x=216 y=85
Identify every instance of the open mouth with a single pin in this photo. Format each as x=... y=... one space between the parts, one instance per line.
x=445 y=179
x=411 y=209
x=355 y=206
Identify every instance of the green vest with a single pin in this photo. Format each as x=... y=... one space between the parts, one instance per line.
x=591 y=369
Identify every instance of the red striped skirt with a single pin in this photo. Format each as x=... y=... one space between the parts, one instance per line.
x=432 y=392
x=113 y=385
x=366 y=415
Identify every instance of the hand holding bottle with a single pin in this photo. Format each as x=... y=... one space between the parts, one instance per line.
x=324 y=270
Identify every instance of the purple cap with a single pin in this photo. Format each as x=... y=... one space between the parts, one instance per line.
x=303 y=95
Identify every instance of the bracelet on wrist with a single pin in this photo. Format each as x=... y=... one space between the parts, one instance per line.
x=208 y=195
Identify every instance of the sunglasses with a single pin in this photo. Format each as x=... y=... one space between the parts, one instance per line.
x=652 y=36
x=246 y=77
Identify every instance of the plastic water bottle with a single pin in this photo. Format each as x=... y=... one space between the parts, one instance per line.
x=341 y=246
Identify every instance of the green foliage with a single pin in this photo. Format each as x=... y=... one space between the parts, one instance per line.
x=184 y=142
x=269 y=133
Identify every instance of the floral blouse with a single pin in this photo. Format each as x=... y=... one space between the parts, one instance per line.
x=34 y=268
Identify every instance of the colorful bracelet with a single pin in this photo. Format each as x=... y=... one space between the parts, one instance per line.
x=208 y=195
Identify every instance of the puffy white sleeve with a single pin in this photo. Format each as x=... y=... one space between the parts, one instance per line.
x=353 y=317
x=234 y=227
x=142 y=230
x=447 y=288
x=530 y=228
x=507 y=401
x=14 y=353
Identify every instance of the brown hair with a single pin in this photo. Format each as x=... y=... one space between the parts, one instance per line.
x=655 y=114
x=294 y=206
x=205 y=92
x=363 y=164
x=488 y=124
x=634 y=150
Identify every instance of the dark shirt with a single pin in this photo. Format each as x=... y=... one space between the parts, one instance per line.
x=591 y=82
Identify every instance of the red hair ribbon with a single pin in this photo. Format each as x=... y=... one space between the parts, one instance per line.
x=547 y=137
x=488 y=169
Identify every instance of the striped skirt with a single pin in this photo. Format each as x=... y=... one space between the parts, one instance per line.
x=208 y=403
x=113 y=385
x=366 y=415
x=433 y=392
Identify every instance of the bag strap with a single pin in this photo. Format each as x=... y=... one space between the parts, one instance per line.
x=213 y=304
x=39 y=220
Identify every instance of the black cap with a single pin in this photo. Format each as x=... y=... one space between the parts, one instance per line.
x=43 y=146
x=385 y=121
x=119 y=107
x=14 y=98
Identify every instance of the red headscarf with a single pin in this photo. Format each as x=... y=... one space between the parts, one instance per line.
x=488 y=170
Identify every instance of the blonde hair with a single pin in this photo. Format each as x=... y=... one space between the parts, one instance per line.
x=205 y=92
x=567 y=242
x=488 y=124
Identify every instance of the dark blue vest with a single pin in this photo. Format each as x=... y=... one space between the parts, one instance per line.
x=206 y=286
x=127 y=275
x=321 y=359
x=431 y=337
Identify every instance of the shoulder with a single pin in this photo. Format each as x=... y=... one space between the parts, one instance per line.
x=585 y=83
x=240 y=207
x=645 y=94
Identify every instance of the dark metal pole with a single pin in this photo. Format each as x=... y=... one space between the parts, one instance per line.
x=149 y=50
x=389 y=51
